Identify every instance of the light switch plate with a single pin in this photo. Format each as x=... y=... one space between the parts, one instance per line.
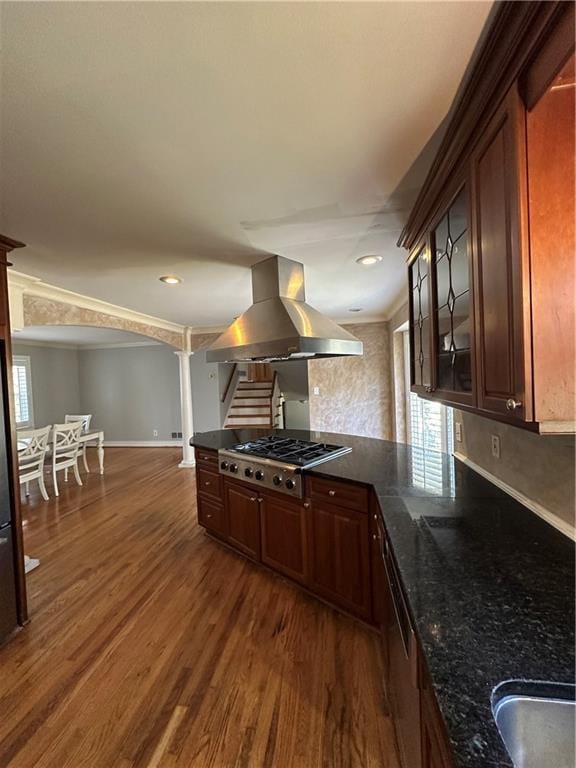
x=495 y=446
x=458 y=431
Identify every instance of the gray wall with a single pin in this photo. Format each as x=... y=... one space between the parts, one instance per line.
x=205 y=393
x=293 y=382
x=55 y=382
x=131 y=391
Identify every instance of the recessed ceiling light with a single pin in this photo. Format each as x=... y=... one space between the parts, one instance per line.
x=369 y=260
x=170 y=279
x=355 y=309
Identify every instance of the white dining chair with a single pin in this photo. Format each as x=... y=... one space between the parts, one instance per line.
x=32 y=456
x=65 y=450
x=85 y=418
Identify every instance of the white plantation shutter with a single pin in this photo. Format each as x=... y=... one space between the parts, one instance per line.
x=431 y=429
x=22 y=391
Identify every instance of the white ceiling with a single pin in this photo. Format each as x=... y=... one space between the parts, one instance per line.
x=79 y=336
x=140 y=139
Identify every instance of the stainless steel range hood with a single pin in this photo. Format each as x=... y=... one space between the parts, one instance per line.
x=280 y=325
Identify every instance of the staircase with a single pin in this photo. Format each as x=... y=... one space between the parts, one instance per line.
x=254 y=404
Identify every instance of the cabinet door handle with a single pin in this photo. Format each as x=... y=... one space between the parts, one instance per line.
x=207 y=482
x=375 y=536
x=208 y=516
x=306 y=505
x=259 y=501
x=512 y=404
x=253 y=498
x=206 y=458
x=331 y=493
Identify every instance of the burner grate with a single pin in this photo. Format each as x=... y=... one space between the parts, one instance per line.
x=301 y=453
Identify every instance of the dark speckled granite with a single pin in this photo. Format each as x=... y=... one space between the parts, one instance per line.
x=490 y=585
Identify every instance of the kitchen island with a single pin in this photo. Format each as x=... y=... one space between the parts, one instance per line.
x=469 y=588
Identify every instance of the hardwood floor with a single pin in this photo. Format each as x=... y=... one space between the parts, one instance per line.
x=151 y=646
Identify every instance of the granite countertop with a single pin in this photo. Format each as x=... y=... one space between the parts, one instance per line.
x=489 y=584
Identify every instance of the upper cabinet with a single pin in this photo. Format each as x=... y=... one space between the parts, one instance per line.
x=491 y=238
x=452 y=298
x=420 y=324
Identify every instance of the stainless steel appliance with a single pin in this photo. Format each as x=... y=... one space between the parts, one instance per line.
x=280 y=325
x=276 y=462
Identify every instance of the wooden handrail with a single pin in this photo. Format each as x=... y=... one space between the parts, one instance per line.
x=272 y=398
x=232 y=372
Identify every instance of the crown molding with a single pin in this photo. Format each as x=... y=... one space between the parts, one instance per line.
x=35 y=286
x=75 y=346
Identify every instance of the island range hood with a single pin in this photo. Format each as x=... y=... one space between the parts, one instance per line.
x=280 y=325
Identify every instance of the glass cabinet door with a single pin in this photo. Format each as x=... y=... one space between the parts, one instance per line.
x=452 y=306
x=420 y=327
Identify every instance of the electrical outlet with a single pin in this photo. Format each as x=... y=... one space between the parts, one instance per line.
x=316 y=390
x=458 y=431
x=155 y=433
x=174 y=435
x=179 y=434
x=495 y=446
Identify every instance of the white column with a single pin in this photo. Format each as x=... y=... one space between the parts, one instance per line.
x=186 y=408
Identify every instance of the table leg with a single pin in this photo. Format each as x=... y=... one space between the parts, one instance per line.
x=101 y=453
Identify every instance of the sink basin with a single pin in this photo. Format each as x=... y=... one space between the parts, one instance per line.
x=536 y=722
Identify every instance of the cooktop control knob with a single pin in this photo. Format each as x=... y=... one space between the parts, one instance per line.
x=233 y=468
x=259 y=474
x=224 y=465
x=277 y=480
x=248 y=471
x=290 y=484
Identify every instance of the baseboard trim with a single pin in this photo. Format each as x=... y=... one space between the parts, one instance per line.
x=532 y=505
x=187 y=464
x=142 y=444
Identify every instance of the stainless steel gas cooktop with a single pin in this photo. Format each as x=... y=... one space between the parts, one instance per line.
x=276 y=462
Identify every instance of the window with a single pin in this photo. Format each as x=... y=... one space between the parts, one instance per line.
x=22 y=392
x=430 y=427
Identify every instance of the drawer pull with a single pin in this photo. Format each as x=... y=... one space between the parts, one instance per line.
x=207 y=482
x=208 y=516
x=306 y=505
x=331 y=493
x=253 y=498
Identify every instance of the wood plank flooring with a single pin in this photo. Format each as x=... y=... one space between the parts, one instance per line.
x=151 y=646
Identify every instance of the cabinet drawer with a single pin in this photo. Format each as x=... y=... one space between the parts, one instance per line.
x=343 y=494
x=209 y=483
x=211 y=515
x=205 y=456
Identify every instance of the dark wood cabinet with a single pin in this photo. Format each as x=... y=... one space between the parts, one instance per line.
x=211 y=515
x=435 y=747
x=208 y=482
x=242 y=518
x=340 y=557
x=487 y=319
x=452 y=303
x=501 y=263
x=13 y=603
x=402 y=676
x=284 y=527
x=420 y=321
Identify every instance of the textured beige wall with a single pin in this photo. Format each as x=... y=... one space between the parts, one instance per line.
x=41 y=311
x=541 y=468
x=355 y=392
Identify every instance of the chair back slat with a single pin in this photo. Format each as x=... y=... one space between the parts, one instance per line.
x=85 y=418
x=31 y=458
x=66 y=440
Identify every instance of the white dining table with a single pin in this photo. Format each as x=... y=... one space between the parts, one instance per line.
x=89 y=436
